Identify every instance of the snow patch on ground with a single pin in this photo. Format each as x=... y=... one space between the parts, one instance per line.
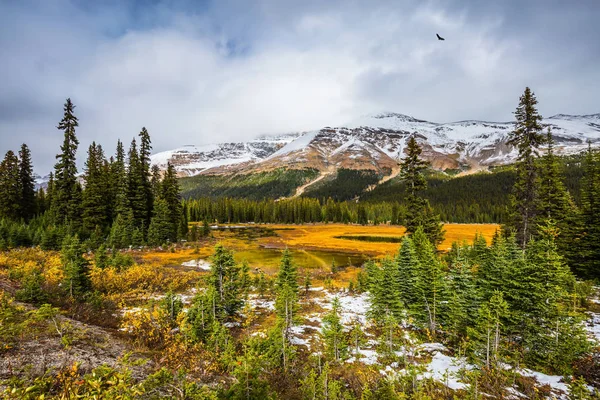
x=553 y=381
x=446 y=369
x=353 y=307
x=200 y=264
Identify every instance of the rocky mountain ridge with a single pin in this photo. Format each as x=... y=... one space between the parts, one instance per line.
x=377 y=143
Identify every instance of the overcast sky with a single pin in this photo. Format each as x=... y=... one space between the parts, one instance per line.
x=197 y=72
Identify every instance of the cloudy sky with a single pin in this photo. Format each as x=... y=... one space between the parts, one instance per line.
x=196 y=72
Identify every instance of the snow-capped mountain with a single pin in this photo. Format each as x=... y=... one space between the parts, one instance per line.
x=192 y=160
x=377 y=142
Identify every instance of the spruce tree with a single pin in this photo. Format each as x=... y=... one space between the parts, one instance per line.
x=225 y=278
x=527 y=137
x=76 y=267
x=95 y=207
x=27 y=184
x=586 y=260
x=120 y=182
x=408 y=265
x=144 y=171
x=135 y=187
x=161 y=226
x=10 y=187
x=419 y=212
x=171 y=195
x=333 y=334
x=487 y=334
x=429 y=285
x=65 y=208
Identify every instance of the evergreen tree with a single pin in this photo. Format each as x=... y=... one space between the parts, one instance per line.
x=26 y=183
x=333 y=333
x=170 y=194
x=95 y=207
x=76 y=267
x=10 y=187
x=408 y=265
x=384 y=293
x=226 y=280
x=135 y=187
x=120 y=181
x=161 y=226
x=554 y=200
x=144 y=171
x=527 y=137
x=286 y=302
x=419 y=212
x=429 y=285
x=155 y=181
x=487 y=333
x=586 y=257
x=65 y=206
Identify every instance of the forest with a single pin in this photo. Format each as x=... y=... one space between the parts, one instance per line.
x=104 y=293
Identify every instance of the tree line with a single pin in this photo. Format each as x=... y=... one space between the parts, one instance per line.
x=120 y=200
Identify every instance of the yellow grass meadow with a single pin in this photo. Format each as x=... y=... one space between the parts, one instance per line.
x=324 y=237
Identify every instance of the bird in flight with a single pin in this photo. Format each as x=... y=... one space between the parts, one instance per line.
x=439 y=37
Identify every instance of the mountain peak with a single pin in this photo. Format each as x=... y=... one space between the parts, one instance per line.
x=397 y=116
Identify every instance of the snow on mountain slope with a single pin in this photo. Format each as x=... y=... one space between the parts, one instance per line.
x=378 y=142
x=191 y=160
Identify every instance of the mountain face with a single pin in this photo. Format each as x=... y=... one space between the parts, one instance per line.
x=192 y=160
x=377 y=143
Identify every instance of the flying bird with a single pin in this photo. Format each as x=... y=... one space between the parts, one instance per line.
x=439 y=37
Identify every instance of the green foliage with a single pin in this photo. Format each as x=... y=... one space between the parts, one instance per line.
x=32 y=288
x=65 y=197
x=76 y=268
x=527 y=138
x=10 y=187
x=345 y=185
x=264 y=185
x=333 y=333
x=226 y=280
x=419 y=213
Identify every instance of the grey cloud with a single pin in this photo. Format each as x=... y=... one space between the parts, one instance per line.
x=226 y=70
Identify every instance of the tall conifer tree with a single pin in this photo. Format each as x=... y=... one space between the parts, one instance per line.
x=95 y=206
x=27 y=184
x=64 y=198
x=10 y=188
x=419 y=212
x=527 y=137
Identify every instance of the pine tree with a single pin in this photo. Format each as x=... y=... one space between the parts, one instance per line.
x=419 y=212
x=586 y=257
x=429 y=285
x=135 y=187
x=171 y=195
x=65 y=208
x=333 y=333
x=554 y=200
x=161 y=226
x=527 y=137
x=27 y=184
x=95 y=207
x=226 y=280
x=76 y=267
x=10 y=187
x=120 y=182
x=408 y=265
x=144 y=171
x=385 y=293
x=488 y=332
x=155 y=181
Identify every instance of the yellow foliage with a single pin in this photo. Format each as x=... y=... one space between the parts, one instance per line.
x=17 y=263
x=149 y=328
x=142 y=278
